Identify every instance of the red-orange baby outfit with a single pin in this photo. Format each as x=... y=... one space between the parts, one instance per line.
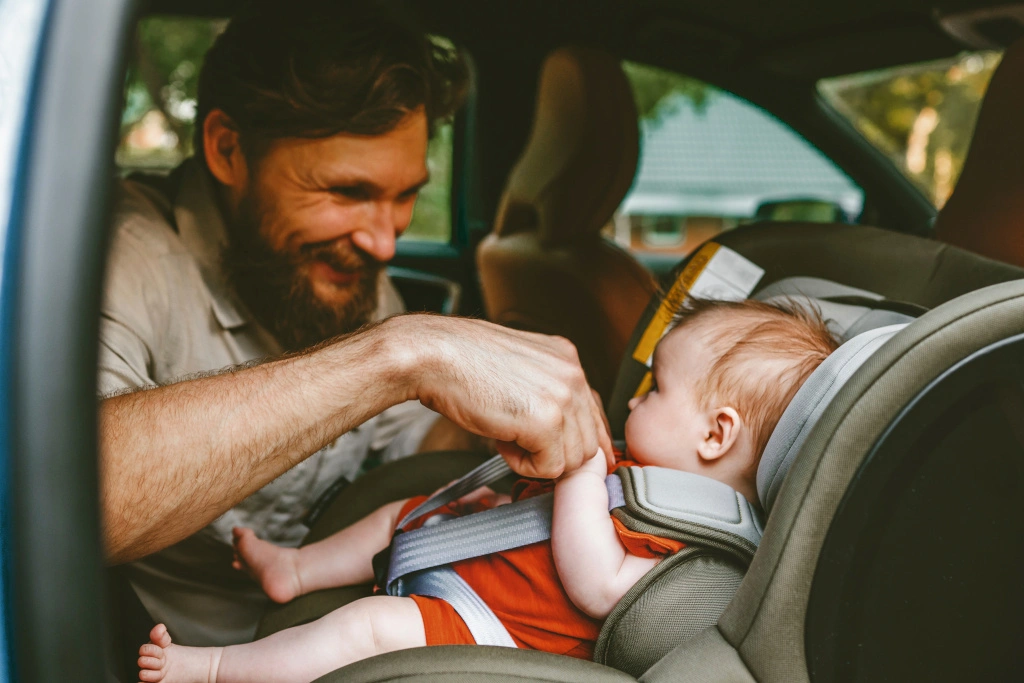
x=522 y=588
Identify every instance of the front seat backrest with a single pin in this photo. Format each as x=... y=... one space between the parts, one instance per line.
x=985 y=214
x=546 y=267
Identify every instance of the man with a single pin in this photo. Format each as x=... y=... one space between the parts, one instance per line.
x=270 y=244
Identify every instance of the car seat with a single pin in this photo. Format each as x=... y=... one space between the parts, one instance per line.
x=546 y=267
x=985 y=213
x=882 y=466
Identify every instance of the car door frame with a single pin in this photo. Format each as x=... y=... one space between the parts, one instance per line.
x=53 y=264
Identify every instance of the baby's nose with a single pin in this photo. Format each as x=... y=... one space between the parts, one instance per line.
x=633 y=402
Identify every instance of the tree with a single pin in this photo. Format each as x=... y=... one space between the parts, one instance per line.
x=922 y=116
x=658 y=93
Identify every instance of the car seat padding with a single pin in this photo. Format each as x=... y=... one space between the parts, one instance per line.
x=807 y=406
x=474 y=664
x=765 y=621
x=682 y=596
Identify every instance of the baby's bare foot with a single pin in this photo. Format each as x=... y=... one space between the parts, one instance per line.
x=162 y=662
x=271 y=565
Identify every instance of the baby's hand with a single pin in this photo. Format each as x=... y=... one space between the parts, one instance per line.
x=597 y=463
x=487 y=495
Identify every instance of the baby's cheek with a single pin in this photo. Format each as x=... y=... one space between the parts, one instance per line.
x=635 y=440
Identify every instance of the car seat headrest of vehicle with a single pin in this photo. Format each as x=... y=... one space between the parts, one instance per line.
x=582 y=152
x=809 y=404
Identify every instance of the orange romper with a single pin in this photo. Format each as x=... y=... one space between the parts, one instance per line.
x=522 y=588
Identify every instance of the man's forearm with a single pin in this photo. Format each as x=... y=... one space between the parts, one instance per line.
x=176 y=457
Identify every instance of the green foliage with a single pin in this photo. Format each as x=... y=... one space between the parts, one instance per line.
x=659 y=93
x=163 y=76
x=432 y=217
x=922 y=115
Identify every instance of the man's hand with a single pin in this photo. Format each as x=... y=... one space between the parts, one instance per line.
x=527 y=391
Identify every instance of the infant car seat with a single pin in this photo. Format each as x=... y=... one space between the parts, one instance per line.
x=874 y=467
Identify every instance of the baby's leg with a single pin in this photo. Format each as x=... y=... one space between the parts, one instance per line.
x=342 y=559
x=361 y=629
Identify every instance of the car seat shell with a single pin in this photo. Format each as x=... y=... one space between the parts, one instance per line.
x=765 y=621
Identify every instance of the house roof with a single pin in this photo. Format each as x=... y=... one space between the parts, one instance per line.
x=726 y=157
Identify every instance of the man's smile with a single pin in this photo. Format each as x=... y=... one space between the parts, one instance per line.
x=321 y=270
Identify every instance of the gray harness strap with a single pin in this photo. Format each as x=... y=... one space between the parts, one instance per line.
x=491 y=531
x=445 y=583
x=490 y=471
x=421 y=559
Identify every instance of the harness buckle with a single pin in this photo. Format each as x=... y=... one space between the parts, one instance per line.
x=382 y=564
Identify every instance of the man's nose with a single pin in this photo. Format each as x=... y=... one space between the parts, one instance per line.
x=377 y=236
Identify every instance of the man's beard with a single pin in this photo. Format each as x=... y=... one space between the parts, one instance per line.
x=277 y=289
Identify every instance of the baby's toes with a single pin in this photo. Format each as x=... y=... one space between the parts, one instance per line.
x=159 y=636
x=151 y=675
x=151 y=663
x=152 y=651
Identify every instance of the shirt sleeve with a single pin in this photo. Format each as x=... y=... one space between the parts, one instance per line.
x=131 y=320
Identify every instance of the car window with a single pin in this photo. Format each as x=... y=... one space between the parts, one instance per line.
x=921 y=115
x=710 y=161
x=158 y=119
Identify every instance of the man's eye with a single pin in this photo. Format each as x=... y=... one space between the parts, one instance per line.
x=349 y=192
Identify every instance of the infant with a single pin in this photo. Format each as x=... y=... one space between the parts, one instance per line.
x=720 y=382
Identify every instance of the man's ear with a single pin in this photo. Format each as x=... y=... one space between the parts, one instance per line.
x=724 y=426
x=223 y=152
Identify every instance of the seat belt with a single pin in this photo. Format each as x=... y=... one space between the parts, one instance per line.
x=418 y=562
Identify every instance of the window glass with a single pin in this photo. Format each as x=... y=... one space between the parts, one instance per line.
x=432 y=217
x=710 y=161
x=158 y=119
x=922 y=116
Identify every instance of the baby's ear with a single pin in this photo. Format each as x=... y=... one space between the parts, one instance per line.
x=724 y=427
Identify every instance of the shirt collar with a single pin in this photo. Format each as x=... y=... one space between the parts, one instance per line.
x=202 y=231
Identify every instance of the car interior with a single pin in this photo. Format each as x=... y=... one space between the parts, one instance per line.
x=893 y=536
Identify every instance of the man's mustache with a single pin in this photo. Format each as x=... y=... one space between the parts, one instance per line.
x=339 y=255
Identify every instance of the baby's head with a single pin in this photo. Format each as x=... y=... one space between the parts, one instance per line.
x=722 y=378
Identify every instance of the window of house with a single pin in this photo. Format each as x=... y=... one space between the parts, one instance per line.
x=921 y=115
x=710 y=161
x=158 y=119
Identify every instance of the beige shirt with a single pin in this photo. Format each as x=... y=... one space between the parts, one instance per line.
x=169 y=313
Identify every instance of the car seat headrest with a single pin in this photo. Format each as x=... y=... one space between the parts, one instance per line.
x=582 y=152
x=985 y=213
x=807 y=406
x=833 y=301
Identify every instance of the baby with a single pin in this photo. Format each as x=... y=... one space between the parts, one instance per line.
x=721 y=380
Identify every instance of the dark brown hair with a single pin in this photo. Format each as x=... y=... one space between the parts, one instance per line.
x=786 y=341
x=312 y=69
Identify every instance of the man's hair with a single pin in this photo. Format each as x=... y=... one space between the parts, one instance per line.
x=763 y=352
x=312 y=69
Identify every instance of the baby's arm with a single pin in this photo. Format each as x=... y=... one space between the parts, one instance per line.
x=592 y=563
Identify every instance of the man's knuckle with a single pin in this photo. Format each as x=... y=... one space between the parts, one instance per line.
x=562 y=394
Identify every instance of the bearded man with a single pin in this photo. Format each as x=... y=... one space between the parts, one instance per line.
x=248 y=354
